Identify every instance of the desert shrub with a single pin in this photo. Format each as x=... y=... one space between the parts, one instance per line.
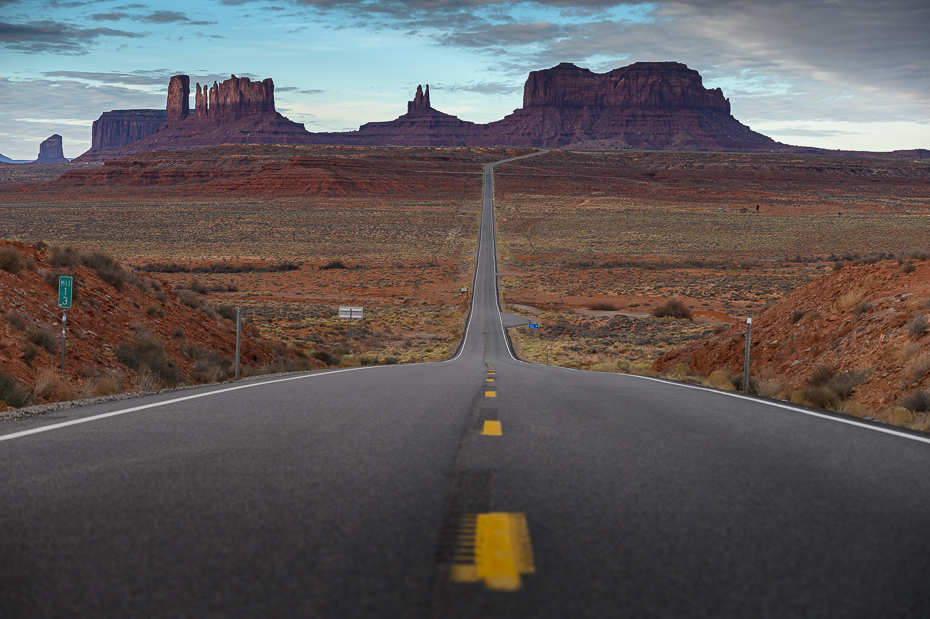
x=210 y=365
x=16 y=320
x=820 y=376
x=109 y=270
x=737 y=381
x=325 y=357
x=391 y=360
x=154 y=310
x=30 y=351
x=918 y=325
x=719 y=380
x=11 y=259
x=827 y=389
x=603 y=306
x=916 y=368
x=62 y=256
x=674 y=309
x=12 y=392
x=919 y=402
x=796 y=316
x=368 y=361
x=44 y=337
x=820 y=397
x=911 y=254
x=227 y=311
x=105 y=385
x=189 y=298
x=862 y=308
x=837 y=266
x=334 y=264
x=146 y=353
x=350 y=362
x=51 y=386
x=908 y=267
x=218 y=267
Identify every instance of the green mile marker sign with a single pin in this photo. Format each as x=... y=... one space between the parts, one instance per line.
x=64 y=291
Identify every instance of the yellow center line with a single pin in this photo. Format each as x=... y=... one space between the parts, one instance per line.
x=489 y=380
x=502 y=551
x=492 y=428
x=490 y=394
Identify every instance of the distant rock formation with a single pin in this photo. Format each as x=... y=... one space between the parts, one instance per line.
x=117 y=128
x=179 y=95
x=50 y=151
x=236 y=111
x=5 y=159
x=235 y=98
x=647 y=105
x=420 y=126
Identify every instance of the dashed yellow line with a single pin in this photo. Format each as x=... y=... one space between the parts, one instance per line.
x=490 y=394
x=489 y=380
x=502 y=551
x=492 y=428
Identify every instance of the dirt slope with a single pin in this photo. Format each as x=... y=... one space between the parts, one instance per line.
x=867 y=323
x=132 y=333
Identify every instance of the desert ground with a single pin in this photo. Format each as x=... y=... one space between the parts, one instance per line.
x=591 y=243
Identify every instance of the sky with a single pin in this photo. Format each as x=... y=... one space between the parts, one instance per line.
x=844 y=74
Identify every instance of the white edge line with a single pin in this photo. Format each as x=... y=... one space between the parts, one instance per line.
x=64 y=424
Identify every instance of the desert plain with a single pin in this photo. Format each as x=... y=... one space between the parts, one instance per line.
x=590 y=243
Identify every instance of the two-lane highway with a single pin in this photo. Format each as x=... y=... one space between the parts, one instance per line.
x=477 y=487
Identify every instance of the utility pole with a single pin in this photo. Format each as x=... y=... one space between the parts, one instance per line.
x=238 y=339
x=746 y=357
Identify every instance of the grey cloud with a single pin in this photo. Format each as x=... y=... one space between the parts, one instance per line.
x=308 y=91
x=48 y=36
x=484 y=88
x=155 y=78
x=116 y=16
x=169 y=17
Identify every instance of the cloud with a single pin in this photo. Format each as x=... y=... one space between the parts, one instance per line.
x=169 y=17
x=484 y=88
x=48 y=36
x=115 y=16
x=308 y=91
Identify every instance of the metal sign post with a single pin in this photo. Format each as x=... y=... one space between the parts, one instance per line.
x=352 y=313
x=65 y=289
x=238 y=338
x=746 y=359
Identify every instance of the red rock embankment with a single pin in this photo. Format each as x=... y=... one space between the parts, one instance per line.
x=864 y=319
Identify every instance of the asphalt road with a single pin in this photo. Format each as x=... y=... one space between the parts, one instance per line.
x=382 y=492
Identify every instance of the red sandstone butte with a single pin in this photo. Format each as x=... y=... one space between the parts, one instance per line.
x=50 y=151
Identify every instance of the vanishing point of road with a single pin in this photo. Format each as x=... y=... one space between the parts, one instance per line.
x=477 y=487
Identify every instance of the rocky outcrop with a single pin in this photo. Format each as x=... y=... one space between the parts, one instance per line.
x=420 y=103
x=235 y=98
x=118 y=128
x=179 y=93
x=50 y=151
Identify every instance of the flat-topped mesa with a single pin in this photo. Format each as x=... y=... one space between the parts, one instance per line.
x=420 y=103
x=233 y=99
x=642 y=85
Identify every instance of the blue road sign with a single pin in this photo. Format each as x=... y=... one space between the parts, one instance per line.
x=534 y=325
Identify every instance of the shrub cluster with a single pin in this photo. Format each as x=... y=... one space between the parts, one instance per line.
x=334 y=264
x=603 y=306
x=674 y=309
x=825 y=388
x=11 y=260
x=918 y=325
x=106 y=267
x=919 y=402
x=146 y=353
x=12 y=393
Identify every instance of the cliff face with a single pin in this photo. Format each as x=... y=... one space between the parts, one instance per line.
x=643 y=85
x=647 y=105
x=50 y=151
x=235 y=98
x=115 y=129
